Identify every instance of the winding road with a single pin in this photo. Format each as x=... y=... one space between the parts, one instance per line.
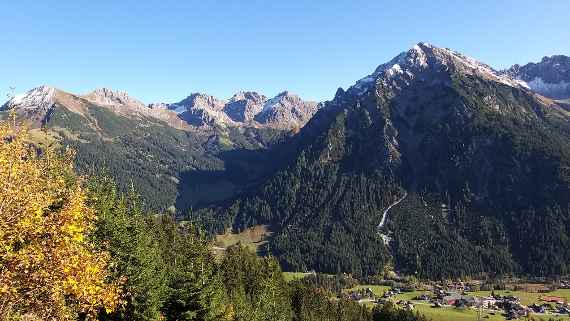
x=385 y=213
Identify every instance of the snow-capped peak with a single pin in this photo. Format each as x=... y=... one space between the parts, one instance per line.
x=424 y=56
x=39 y=98
x=282 y=98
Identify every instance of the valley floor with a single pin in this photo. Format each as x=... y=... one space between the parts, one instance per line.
x=448 y=312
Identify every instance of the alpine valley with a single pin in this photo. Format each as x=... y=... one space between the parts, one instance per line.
x=193 y=152
x=434 y=165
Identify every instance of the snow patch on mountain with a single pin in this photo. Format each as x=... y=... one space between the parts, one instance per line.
x=555 y=89
x=424 y=56
x=273 y=102
x=40 y=98
x=550 y=77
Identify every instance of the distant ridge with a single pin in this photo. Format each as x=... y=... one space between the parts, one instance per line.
x=250 y=109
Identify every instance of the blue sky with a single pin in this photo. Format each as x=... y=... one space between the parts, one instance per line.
x=164 y=50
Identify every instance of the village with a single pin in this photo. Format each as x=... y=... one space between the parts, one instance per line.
x=542 y=303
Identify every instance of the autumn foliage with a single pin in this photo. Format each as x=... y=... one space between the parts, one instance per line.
x=49 y=268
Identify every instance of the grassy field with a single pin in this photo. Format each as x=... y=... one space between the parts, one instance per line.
x=408 y=296
x=378 y=290
x=527 y=298
x=253 y=238
x=452 y=314
x=292 y=276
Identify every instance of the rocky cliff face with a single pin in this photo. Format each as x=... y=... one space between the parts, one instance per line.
x=106 y=96
x=550 y=77
x=286 y=110
x=201 y=110
x=244 y=106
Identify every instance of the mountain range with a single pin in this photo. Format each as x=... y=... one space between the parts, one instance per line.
x=178 y=155
x=472 y=163
x=247 y=109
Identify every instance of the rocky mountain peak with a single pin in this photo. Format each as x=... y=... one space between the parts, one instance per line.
x=286 y=110
x=202 y=101
x=33 y=105
x=561 y=61
x=283 y=99
x=201 y=109
x=550 y=77
x=106 y=96
x=424 y=59
x=248 y=96
x=426 y=56
x=244 y=106
x=39 y=98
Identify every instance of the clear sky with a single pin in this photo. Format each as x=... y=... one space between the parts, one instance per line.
x=164 y=50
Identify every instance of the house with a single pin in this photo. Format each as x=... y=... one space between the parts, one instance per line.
x=512 y=315
x=538 y=308
x=563 y=310
x=451 y=298
x=355 y=296
x=489 y=302
x=467 y=301
x=389 y=294
x=436 y=305
x=516 y=314
x=553 y=299
x=382 y=301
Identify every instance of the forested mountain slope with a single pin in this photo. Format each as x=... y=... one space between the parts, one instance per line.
x=484 y=160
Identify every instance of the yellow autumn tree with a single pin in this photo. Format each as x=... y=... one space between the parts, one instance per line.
x=49 y=270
